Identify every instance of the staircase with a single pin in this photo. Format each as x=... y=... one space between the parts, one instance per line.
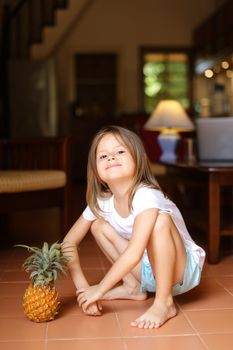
x=52 y=36
x=23 y=24
x=32 y=30
x=35 y=28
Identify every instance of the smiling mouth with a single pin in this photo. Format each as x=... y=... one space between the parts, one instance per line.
x=113 y=166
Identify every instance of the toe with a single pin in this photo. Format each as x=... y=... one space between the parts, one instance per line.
x=157 y=325
x=152 y=324
x=147 y=324
x=141 y=324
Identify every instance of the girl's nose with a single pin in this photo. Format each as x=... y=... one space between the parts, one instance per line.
x=111 y=157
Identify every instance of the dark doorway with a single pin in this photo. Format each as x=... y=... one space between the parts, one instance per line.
x=95 y=105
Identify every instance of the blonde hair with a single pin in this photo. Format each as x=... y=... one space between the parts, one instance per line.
x=96 y=188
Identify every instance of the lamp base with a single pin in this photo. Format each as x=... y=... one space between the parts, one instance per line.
x=168 y=141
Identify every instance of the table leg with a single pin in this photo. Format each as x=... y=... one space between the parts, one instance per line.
x=214 y=218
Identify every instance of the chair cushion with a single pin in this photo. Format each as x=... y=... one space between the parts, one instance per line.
x=12 y=181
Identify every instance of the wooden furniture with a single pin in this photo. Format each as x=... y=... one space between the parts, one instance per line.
x=214 y=35
x=35 y=173
x=207 y=180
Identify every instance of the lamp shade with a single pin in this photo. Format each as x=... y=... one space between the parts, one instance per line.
x=170 y=118
x=169 y=114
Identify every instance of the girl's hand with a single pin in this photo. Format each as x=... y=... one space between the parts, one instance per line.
x=92 y=310
x=88 y=296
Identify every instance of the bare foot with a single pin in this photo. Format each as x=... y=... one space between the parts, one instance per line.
x=125 y=292
x=155 y=316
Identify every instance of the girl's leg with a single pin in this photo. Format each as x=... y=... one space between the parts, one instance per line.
x=113 y=245
x=168 y=259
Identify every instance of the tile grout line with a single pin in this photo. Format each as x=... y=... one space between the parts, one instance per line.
x=22 y=340
x=220 y=284
x=46 y=337
x=85 y=338
x=195 y=330
x=119 y=326
x=210 y=309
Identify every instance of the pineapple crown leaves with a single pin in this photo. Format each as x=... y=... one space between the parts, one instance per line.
x=46 y=264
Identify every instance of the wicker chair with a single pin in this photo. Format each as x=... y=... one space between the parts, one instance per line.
x=35 y=173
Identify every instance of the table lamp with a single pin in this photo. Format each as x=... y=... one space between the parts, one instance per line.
x=169 y=118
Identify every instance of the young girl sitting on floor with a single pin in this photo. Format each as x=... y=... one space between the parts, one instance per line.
x=137 y=227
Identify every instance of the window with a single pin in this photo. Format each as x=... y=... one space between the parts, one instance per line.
x=165 y=75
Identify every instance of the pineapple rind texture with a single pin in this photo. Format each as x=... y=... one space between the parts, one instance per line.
x=41 y=303
x=45 y=264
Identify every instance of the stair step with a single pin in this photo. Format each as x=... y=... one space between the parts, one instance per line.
x=61 y=4
x=53 y=35
x=49 y=8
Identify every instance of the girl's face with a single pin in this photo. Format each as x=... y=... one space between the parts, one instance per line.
x=113 y=160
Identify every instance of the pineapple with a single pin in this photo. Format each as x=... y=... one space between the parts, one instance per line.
x=40 y=301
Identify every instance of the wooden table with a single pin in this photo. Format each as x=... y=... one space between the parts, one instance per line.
x=214 y=176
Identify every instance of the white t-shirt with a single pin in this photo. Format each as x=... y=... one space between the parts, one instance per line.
x=146 y=198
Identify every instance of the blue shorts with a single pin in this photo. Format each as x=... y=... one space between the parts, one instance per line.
x=191 y=279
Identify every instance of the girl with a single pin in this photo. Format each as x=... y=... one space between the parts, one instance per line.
x=137 y=227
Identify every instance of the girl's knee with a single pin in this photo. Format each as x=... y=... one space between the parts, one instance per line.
x=163 y=222
x=165 y=228
x=99 y=226
x=96 y=226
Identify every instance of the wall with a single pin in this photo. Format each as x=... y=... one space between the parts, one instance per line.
x=122 y=27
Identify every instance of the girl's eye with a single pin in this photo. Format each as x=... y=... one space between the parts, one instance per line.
x=121 y=152
x=103 y=156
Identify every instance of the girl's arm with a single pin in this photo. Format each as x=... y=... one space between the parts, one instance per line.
x=70 y=248
x=143 y=226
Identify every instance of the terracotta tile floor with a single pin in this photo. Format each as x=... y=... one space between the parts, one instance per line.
x=204 y=320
